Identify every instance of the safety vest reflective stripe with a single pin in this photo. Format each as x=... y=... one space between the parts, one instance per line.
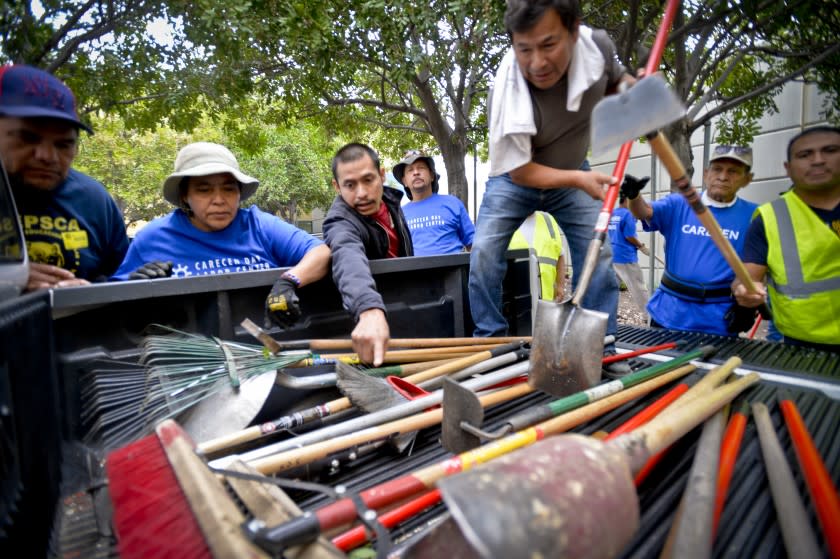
x=796 y=285
x=803 y=280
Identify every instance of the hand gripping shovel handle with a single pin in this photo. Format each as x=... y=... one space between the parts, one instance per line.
x=665 y=152
x=603 y=221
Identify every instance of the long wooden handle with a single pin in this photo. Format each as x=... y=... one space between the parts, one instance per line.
x=232 y=440
x=667 y=428
x=309 y=453
x=417 y=343
x=338 y=344
x=797 y=534
x=665 y=152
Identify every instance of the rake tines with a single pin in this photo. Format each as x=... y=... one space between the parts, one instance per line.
x=123 y=401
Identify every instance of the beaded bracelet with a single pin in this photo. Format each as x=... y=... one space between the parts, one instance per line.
x=291 y=276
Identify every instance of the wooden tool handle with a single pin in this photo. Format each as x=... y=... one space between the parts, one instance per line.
x=663 y=150
x=417 y=343
x=667 y=428
x=797 y=534
x=214 y=510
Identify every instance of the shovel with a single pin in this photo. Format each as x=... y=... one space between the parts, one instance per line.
x=566 y=347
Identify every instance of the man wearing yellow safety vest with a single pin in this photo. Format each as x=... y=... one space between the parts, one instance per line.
x=541 y=235
x=795 y=242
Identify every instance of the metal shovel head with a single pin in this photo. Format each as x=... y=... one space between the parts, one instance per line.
x=566 y=348
x=227 y=409
x=566 y=496
x=646 y=106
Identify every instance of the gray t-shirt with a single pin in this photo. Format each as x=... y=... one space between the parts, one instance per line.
x=562 y=138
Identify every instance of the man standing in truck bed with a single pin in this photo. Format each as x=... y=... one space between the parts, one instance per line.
x=544 y=91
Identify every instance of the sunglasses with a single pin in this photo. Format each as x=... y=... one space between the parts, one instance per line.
x=413 y=152
x=738 y=150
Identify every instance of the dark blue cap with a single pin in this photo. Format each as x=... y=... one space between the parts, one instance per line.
x=27 y=92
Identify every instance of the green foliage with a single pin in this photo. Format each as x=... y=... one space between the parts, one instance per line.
x=396 y=75
x=292 y=164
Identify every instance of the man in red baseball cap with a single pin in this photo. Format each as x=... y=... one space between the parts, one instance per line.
x=74 y=230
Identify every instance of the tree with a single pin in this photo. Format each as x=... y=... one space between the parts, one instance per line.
x=727 y=60
x=291 y=164
x=416 y=72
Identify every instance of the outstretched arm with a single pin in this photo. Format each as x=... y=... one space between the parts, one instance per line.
x=313 y=266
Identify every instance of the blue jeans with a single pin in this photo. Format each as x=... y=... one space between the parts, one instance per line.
x=503 y=209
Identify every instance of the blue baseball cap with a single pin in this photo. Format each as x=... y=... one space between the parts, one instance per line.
x=27 y=92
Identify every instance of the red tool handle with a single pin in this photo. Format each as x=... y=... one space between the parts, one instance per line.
x=820 y=486
x=728 y=455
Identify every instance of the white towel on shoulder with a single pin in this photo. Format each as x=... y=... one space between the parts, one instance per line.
x=512 y=113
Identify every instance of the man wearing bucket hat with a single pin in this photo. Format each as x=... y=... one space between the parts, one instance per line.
x=74 y=230
x=694 y=293
x=208 y=233
x=439 y=223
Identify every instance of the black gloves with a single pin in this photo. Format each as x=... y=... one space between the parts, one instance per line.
x=152 y=270
x=282 y=304
x=739 y=319
x=632 y=186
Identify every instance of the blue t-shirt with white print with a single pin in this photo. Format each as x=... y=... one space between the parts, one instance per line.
x=254 y=240
x=622 y=225
x=439 y=224
x=691 y=255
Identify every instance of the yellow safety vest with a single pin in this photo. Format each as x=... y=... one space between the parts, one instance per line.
x=546 y=243
x=803 y=260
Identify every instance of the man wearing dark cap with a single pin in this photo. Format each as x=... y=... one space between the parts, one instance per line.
x=694 y=293
x=74 y=230
x=439 y=223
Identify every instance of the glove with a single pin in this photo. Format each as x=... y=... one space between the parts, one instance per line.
x=282 y=304
x=632 y=186
x=644 y=250
x=152 y=270
x=739 y=319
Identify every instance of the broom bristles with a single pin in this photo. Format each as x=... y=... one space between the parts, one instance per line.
x=371 y=394
x=152 y=517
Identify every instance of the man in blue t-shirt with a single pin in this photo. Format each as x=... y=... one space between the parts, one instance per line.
x=622 y=231
x=439 y=223
x=694 y=293
x=74 y=230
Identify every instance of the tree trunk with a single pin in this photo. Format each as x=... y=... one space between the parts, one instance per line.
x=456 y=176
x=679 y=136
x=452 y=141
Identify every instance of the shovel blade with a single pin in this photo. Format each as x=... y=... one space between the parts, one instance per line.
x=227 y=410
x=647 y=106
x=567 y=348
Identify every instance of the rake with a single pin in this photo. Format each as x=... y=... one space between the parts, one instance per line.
x=177 y=370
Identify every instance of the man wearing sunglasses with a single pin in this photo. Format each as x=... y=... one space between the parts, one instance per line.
x=694 y=293
x=794 y=245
